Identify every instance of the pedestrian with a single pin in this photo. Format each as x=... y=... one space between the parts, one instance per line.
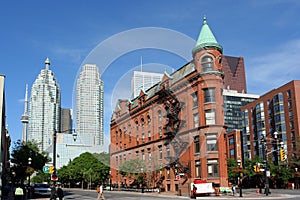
x=100 y=192
x=53 y=194
x=19 y=193
x=60 y=193
x=233 y=190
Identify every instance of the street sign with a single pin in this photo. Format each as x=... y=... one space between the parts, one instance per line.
x=46 y=169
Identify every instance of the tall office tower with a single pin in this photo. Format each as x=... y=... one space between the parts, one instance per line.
x=143 y=81
x=66 y=120
x=24 y=118
x=89 y=105
x=233 y=102
x=44 y=108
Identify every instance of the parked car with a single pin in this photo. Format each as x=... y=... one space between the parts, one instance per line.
x=41 y=189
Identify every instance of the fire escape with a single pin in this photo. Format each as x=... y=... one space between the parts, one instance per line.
x=173 y=107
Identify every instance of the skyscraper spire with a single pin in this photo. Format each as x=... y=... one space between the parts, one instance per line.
x=47 y=63
x=24 y=118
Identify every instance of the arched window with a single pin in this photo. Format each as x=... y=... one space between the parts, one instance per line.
x=207 y=63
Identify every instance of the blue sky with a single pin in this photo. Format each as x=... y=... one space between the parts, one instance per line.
x=266 y=33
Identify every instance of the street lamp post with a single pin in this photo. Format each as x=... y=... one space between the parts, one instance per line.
x=296 y=177
x=267 y=173
x=240 y=177
x=29 y=163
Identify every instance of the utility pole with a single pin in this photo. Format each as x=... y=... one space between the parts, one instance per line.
x=267 y=173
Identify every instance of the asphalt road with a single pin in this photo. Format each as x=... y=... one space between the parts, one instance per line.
x=116 y=195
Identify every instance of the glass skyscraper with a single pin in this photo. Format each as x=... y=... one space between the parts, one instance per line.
x=44 y=108
x=143 y=81
x=89 y=105
x=233 y=102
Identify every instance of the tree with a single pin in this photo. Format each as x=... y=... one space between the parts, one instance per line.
x=232 y=173
x=134 y=168
x=40 y=177
x=21 y=152
x=86 y=168
x=280 y=174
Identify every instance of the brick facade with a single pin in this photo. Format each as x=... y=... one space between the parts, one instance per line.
x=174 y=132
x=276 y=111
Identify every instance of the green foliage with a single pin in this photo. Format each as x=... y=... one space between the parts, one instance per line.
x=86 y=168
x=280 y=174
x=19 y=157
x=133 y=168
x=232 y=174
x=40 y=177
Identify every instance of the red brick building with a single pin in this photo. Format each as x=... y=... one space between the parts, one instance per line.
x=175 y=130
x=275 y=116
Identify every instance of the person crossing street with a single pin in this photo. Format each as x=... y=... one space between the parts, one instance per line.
x=100 y=192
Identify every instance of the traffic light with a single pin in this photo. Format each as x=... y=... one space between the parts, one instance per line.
x=282 y=154
x=51 y=169
x=255 y=168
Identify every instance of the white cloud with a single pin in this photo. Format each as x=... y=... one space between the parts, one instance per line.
x=71 y=54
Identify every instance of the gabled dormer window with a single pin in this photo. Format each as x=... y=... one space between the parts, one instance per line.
x=207 y=63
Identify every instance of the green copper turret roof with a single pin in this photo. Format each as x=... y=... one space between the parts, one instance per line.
x=206 y=39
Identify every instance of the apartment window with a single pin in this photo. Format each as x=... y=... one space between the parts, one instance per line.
x=207 y=63
x=198 y=169
x=149 y=119
x=211 y=142
x=168 y=150
x=168 y=175
x=149 y=135
x=292 y=125
x=290 y=104
x=291 y=114
x=213 y=168
x=210 y=116
x=232 y=152
x=231 y=141
x=160 y=152
x=209 y=95
x=289 y=94
x=143 y=155
x=137 y=125
x=197 y=144
x=137 y=154
x=160 y=132
x=196 y=120
x=149 y=155
x=159 y=116
x=143 y=137
x=195 y=99
x=293 y=136
x=143 y=122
